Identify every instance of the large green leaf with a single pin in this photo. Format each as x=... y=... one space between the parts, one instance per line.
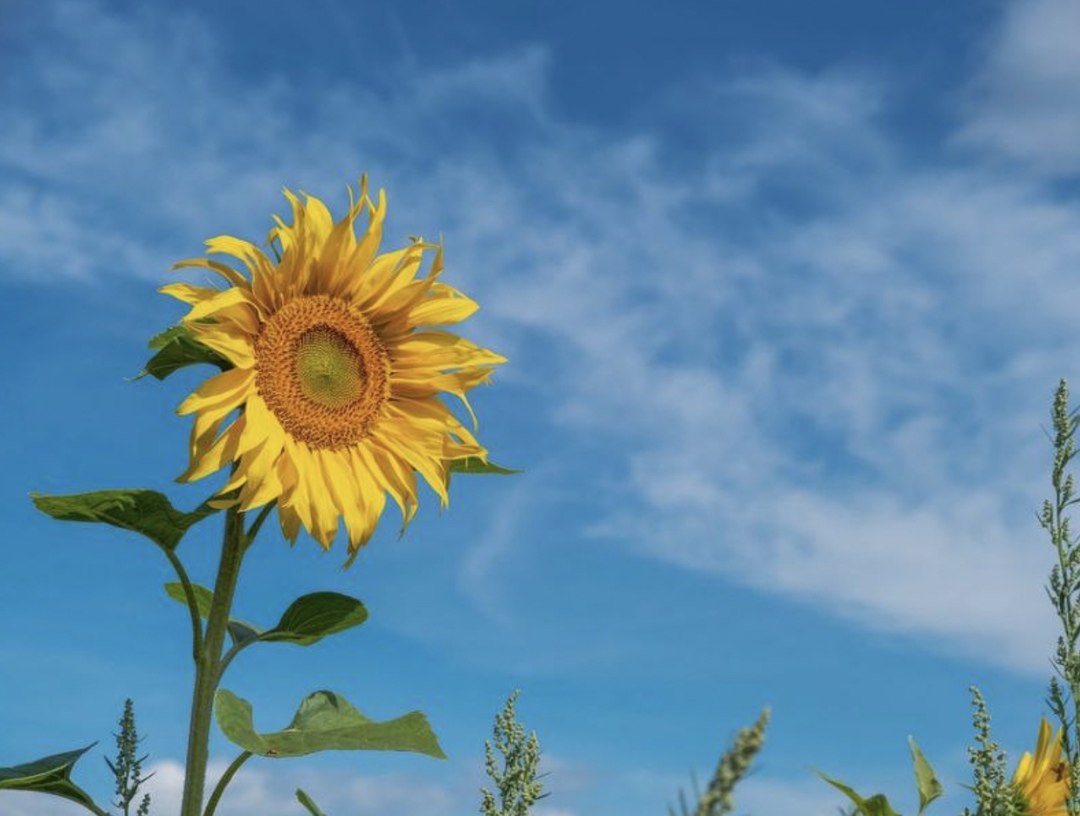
x=177 y=349
x=144 y=511
x=876 y=805
x=474 y=464
x=312 y=617
x=238 y=630
x=925 y=778
x=51 y=774
x=325 y=721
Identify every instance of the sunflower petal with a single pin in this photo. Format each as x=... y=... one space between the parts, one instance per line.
x=227 y=388
x=188 y=293
x=226 y=271
x=231 y=343
x=439 y=311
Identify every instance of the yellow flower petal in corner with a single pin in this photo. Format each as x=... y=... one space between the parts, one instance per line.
x=329 y=423
x=1044 y=778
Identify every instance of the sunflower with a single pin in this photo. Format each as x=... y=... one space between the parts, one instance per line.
x=337 y=389
x=1044 y=780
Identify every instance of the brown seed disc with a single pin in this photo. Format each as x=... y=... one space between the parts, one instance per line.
x=323 y=371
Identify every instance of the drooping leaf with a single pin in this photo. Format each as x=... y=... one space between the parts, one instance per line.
x=325 y=721
x=238 y=630
x=51 y=774
x=312 y=617
x=876 y=805
x=143 y=511
x=305 y=800
x=203 y=596
x=177 y=349
x=925 y=778
x=474 y=464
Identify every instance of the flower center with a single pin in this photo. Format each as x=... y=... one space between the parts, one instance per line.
x=329 y=368
x=323 y=371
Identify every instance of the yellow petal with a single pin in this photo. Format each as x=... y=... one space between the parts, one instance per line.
x=373 y=284
x=399 y=481
x=227 y=272
x=262 y=425
x=400 y=438
x=299 y=499
x=290 y=523
x=188 y=293
x=227 y=388
x=231 y=343
x=439 y=311
x=221 y=453
x=246 y=251
x=262 y=481
x=436 y=350
x=368 y=246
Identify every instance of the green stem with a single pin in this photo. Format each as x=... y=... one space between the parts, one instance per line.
x=193 y=607
x=207 y=662
x=226 y=777
x=229 y=655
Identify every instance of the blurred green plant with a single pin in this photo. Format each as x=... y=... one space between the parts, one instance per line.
x=518 y=788
x=128 y=766
x=734 y=765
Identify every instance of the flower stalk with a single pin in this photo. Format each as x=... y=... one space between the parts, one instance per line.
x=208 y=663
x=1064 y=591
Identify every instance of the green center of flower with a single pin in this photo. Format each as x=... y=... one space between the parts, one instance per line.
x=329 y=369
x=323 y=371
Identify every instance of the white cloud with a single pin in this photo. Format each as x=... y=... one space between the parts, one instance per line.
x=1025 y=100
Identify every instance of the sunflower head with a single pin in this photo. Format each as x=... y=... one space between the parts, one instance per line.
x=336 y=384
x=1043 y=780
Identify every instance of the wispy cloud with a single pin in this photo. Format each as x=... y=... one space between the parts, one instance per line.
x=819 y=368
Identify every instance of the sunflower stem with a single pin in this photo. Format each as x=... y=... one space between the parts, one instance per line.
x=208 y=661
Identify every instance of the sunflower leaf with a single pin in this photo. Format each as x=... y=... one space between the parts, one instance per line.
x=143 y=511
x=312 y=617
x=238 y=630
x=161 y=339
x=325 y=721
x=925 y=778
x=51 y=774
x=177 y=349
x=474 y=464
x=305 y=800
x=203 y=596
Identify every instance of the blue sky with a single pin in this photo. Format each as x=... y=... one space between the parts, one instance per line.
x=786 y=290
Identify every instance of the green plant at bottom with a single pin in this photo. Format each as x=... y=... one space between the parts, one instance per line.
x=128 y=766
x=734 y=764
x=518 y=788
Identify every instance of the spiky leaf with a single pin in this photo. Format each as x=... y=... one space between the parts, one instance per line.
x=51 y=774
